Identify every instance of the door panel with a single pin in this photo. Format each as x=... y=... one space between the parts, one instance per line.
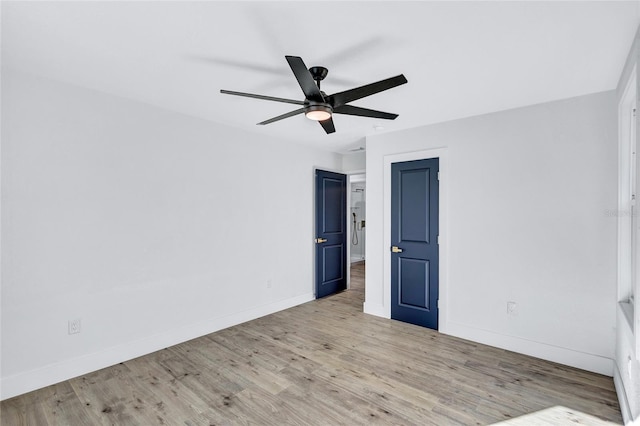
x=331 y=232
x=414 y=283
x=414 y=208
x=333 y=264
x=332 y=190
x=414 y=232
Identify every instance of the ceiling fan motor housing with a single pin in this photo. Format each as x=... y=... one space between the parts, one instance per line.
x=316 y=109
x=318 y=73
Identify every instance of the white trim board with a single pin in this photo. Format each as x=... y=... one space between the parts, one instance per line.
x=625 y=408
x=54 y=373
x=375 y=310
x=585 y=361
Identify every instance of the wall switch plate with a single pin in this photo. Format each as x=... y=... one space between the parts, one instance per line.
x=512 y=308
x=74 y=326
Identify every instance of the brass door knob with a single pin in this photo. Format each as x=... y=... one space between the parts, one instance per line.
x=395 y=249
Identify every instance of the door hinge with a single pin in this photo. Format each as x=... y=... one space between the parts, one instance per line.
x=439 y=172
x=438 y=239
x=634 y=112
x=438 y=303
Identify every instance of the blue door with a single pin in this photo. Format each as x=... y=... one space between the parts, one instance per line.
x=414 y=242
x=331 y=235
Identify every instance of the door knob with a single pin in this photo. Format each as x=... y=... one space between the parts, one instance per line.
x=320 y=240
x=395 y=249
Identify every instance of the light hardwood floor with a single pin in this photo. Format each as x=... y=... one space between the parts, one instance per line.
x=321 y=363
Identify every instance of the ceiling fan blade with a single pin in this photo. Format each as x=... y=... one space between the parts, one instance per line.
x=266 y=98
x=307 y=84
x=341 y=98
x=327 y=125
x=283 y=116
x=364 y=112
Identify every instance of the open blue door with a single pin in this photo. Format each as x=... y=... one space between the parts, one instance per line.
x=331 y=234
x=414 y=242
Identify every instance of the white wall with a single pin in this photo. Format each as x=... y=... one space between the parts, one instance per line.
x=354 y=161
x=528 y=194
x=141 y=222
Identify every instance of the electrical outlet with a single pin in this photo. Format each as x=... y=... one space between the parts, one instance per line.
x=74 y=326
x=512 y=309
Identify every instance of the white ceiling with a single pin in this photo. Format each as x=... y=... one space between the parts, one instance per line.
x=461 y=58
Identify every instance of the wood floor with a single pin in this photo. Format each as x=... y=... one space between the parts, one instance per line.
x=322 y=363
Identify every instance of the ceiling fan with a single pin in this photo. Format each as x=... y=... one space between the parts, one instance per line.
x=319 y=106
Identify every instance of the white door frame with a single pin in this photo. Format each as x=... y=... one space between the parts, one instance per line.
x=441 y=154
x=628 y=264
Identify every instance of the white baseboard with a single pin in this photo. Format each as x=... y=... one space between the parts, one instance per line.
x=377 y=310
x=585 y=361
x=54 y=373
x=622 y=397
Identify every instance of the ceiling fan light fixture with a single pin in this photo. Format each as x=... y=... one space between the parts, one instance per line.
x=318 y=112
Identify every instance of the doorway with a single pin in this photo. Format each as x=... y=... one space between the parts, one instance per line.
x=331 y=232
x=357 y=218
x=384 y=309
x=357 y=240
x=414 y=239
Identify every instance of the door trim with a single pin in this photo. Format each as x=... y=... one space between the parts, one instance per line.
x=441 y=154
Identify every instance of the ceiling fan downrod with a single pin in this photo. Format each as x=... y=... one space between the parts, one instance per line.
x=318 y=74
